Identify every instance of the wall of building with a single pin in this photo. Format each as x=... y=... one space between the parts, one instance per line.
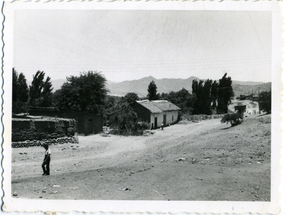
x=171 y=118
x=142 y=112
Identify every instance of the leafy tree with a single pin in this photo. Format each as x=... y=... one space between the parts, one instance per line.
x=152 y=91
x=128 y=123
x=181 y=98
x=131 y=97
x=225 y=93
x=20 y=93
x=265 y=101
x=126 y=118
x=84 y=93
x=40 y=90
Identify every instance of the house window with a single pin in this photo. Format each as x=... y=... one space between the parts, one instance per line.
x=172 y=118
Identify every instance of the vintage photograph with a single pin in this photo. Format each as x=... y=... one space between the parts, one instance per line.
x=152 y=105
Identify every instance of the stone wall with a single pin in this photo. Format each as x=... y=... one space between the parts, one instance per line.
x=202 y=117
x=30 y=143
x=42 y=129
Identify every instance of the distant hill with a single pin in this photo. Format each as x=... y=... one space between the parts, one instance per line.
x=240 y=89
x=140 y=86
x=167 y=85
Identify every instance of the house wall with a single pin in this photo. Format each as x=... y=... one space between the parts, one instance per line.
x=93 y=124
x=142 y=112
x=171 y=118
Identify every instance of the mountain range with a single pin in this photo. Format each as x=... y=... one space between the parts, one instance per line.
x=167 y=85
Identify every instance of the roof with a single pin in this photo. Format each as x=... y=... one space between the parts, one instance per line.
x=158 y=106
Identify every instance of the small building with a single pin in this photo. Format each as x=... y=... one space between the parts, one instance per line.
x=156 y=112
x=240 y=109
x=87 y=123
x=251 y=97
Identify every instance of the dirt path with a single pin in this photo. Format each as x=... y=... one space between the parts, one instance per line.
x=187 y=161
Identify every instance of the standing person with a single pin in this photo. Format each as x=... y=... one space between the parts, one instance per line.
x=46 y=161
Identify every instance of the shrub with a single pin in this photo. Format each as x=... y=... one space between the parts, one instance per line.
x=132 y=128
x=234 y=119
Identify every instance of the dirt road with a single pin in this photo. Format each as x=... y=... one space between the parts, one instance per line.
x=187 y=161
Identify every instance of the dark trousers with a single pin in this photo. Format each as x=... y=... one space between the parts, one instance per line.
x=45 y=165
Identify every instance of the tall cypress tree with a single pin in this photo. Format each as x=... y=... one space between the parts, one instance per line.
x=152 y=91
x=20 y=93
x=225 y=93
x=202 y=93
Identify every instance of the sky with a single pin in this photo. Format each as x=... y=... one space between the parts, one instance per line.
x=128 y=45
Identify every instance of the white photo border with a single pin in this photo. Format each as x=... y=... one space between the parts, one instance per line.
x=28 y=205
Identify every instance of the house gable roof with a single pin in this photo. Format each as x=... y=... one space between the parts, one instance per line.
x=158 y=106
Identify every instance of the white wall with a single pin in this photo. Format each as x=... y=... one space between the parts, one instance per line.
x=171 y=117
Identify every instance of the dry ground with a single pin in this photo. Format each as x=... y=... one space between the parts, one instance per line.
x=187 y=161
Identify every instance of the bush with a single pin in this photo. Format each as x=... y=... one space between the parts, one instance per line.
x=265 y=101
x=234 y=119
x=133 y=128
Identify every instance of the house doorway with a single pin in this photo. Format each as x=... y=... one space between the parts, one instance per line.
x=155 y=122
x=164 y=119
x=90 y=126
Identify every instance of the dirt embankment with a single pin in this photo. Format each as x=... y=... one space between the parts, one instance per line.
x=187 y=161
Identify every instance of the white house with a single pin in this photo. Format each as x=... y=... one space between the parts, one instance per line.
x=156 y=112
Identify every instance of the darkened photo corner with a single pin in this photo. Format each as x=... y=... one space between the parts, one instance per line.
x=141 y=105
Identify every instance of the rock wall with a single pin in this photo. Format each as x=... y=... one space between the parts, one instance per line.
x=42 y=129
x=202 y=117
x=30 y=143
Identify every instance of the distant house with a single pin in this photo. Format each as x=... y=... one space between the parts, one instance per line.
x=87 y=123
x=156 y=112
x=240 y=109
x=251 y=97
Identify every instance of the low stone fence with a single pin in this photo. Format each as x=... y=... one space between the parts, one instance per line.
x=42 y=129
x=30 y=143
x=202 y=117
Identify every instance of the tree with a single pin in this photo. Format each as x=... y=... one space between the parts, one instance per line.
x=225 y=93
x=20 y=93
x=23 y=91
x=131 y=97
x=84 y=93
x=15 y=86
x=202 y=93
x=40 y=90
x=265 y=101
x=214 y=94
x=181 y=98
x=152 y=91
